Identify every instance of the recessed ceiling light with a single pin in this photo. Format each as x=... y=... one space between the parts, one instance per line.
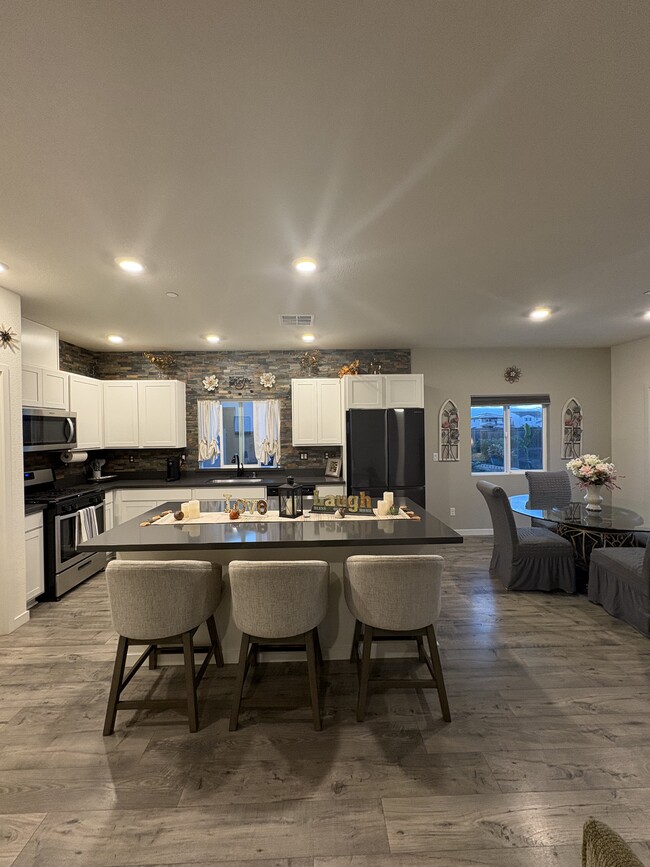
x=305 y=264
x=131 y=266
x=171 y=294
x=212 y=338
x=646 y=315
x=3 y=267
x=115 y=338
x=539 y=313
x=308 y=338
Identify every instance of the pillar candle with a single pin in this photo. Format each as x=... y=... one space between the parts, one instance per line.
x=382 y=507
x=185 y=509
x=195 y=508
x=388 y=498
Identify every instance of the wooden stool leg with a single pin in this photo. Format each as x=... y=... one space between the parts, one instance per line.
x=437 y=667
x=421 y=652
x=310 y=645
x=319 y=652
x=214 y=638
x=190 y=681
x=153 y=657
x=365 y=673
x=354 y=653
x=239 y=682
x=116 y=685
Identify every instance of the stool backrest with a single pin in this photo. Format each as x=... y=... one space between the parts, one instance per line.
x=160 y=598
x=394 y=592
x=278 y=598
x=548 y=489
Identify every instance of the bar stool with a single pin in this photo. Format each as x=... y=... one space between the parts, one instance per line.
x=278 y=605
x=160 y=602
x=395 y=598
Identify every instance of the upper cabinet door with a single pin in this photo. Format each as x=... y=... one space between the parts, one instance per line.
x=161 y=411
x=363 y=392
x=55 y=389
x=304 y=412
x=120 y=414
x=32 y=386
x=404 y=390
x=330 y=416
x=87 y=400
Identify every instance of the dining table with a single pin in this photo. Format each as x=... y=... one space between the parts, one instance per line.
x=618 y=524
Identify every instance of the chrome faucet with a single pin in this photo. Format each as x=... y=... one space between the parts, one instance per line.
x=240 y=466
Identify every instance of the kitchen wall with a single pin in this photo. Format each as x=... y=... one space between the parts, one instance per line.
x=630 y=405
x=12 y=526
x=192 y=367
x=458 y=374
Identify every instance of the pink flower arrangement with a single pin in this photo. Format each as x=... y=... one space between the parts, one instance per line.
x=593 y=470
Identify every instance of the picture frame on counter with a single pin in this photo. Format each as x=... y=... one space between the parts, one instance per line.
x=333 y=468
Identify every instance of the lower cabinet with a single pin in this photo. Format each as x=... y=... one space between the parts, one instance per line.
x=131 y=503
x=35 y=584
x=244 y=492
x=109 y=514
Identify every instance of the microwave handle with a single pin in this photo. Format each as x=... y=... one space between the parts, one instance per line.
x=70 y=425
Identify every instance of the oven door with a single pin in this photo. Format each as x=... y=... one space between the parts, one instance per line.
x=67 y=535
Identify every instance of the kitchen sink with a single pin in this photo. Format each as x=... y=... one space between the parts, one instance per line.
x=245 y=480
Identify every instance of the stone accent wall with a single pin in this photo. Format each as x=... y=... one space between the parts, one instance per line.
x=192 y=367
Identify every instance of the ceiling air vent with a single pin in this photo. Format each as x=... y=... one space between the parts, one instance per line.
x=299 y=320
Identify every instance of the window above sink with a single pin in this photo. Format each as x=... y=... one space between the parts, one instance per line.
x=249 y=429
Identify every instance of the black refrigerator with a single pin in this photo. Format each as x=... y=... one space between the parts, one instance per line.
x=385 y=452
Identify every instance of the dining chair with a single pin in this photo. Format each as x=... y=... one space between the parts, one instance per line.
x=526 y=558
x=158 y=603
x=278 y=605
x=394 y=598
x=547 y=489
x=619 y=580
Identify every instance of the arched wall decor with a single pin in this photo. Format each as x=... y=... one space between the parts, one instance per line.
x=449 y=431
x=571 y=430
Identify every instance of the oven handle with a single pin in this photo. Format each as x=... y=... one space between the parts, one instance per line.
x=70 y=425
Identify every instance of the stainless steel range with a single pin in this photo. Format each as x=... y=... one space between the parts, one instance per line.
x=65 y=565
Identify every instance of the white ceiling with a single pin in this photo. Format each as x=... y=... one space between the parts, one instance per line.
x=453 y=163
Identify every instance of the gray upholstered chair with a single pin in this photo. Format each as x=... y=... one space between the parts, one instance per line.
x=157 y=603
x=546 y=490
x=602 y=847
x=278 y=604
x=619 y=580
x=393 y=598
x=526 y=558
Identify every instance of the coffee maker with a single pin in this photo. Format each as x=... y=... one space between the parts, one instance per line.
x=173 y=469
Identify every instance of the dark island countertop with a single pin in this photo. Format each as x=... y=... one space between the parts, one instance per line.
x=130 y=536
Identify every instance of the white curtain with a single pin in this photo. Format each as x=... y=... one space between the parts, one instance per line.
x=266 y=430
x=209 y=419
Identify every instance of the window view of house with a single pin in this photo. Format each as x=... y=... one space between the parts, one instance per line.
x=508 y=438
x=248 y=429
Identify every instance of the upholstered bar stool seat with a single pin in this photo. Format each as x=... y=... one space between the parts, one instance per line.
x=395 y=598
x=157 y=603
x=278 y=605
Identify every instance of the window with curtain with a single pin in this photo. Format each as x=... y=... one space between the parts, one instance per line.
x=248 y=428
x=509 y=435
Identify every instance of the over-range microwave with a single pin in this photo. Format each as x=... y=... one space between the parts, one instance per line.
x=48 y=430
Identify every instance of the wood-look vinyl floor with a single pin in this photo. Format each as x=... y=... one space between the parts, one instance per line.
x=550 y=699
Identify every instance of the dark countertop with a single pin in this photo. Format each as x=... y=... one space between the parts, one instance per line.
x=130 y=536
x=34 y=509
x=203 y=479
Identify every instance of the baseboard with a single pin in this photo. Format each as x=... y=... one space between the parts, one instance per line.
x=22 y=618
x=475 y=532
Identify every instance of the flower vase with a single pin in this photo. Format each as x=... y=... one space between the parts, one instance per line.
x=593 y=499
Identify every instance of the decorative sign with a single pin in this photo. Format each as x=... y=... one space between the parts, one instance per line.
x=239 y=382
x=356 y=505
x=242 y=506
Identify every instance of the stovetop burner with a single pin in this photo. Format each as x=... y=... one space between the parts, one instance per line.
x=55 y=495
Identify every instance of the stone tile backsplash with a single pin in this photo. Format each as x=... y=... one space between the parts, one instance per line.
x=192 y=367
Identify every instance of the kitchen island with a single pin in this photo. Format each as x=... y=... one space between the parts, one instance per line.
x=258 y=539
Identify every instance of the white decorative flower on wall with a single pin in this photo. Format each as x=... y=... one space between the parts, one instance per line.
x=267 y=380
x=210 y=383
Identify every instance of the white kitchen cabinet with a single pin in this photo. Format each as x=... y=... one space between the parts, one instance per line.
x=403 y=390
x=384 y=391
x=109 y=515
x=161 y=414
x=316 y=415
x=45 y=388
x=363 y=392
x=87 y=400
x=331 y=490
x=144 y=414
x=34 y=562
x=130 y=503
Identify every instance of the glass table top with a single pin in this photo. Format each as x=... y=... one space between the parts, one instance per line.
x=616 y=514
